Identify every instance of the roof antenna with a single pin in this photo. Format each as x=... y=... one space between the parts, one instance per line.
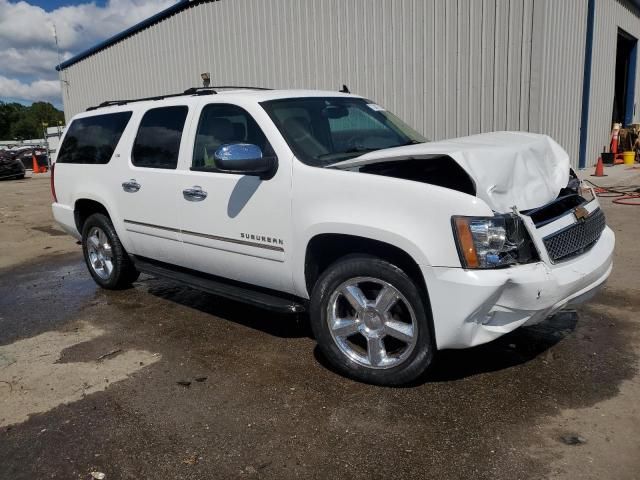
x=344 y=89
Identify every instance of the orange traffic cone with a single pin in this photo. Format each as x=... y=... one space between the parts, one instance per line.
x=36 y=168
x=615 y=134
x=599 y=169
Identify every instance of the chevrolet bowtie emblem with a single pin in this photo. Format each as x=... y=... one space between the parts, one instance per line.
x=581 y=213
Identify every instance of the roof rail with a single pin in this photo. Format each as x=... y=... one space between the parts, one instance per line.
x=111 y=103
x=188 y=91
x=203 y=90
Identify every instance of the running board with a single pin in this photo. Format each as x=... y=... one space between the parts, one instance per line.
x=232 y=290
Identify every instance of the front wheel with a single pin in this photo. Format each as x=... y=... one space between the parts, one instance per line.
x=370 y=321
x=108 y=262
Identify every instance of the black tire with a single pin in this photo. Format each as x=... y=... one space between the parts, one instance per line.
x=346 y=269
x=123 y=272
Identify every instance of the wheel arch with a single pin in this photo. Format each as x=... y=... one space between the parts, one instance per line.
x=326 y=248
x=84 y=207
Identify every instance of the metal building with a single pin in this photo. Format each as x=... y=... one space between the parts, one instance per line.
x=450 y=68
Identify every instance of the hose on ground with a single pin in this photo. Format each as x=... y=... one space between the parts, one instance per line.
x=622 y=195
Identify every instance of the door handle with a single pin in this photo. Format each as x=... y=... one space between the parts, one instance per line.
x=131 y=186
x=194 y=194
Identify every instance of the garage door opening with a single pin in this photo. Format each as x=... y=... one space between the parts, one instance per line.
x=623 y=98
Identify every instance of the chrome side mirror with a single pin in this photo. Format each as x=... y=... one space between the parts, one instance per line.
x=245 y=159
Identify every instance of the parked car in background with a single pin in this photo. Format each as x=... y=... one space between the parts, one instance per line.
x=10 y=167
x=322 y=201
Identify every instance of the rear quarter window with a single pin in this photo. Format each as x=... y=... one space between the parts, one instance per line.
x=92 y=140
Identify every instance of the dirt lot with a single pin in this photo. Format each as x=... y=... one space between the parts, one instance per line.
x=27 y=230
x=89 y=381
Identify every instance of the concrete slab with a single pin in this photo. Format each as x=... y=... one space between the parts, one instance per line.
x=616 y=175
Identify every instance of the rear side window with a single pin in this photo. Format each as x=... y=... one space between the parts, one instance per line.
x=92 y=140
x=158 y=140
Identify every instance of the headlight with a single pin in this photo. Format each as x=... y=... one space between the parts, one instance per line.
x=490 y=242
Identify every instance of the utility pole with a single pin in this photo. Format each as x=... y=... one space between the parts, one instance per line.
x=46 y=139
x=62 y=82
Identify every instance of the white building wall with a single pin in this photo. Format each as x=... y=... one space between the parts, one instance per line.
x=448 y=67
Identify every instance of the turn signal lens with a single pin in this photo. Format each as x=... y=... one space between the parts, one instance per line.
x=465 y=241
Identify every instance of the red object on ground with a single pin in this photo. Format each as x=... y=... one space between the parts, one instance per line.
x=36 y=168
x=599 y=169
x=633 y=199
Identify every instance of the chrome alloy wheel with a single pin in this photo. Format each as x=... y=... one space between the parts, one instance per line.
x=99 y=253
x=372 y=322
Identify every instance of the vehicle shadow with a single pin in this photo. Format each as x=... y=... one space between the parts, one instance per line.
x=515 y=348
x=272 y=323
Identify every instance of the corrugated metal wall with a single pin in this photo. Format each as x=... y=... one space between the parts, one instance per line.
x=448 y=67
x=609 y=16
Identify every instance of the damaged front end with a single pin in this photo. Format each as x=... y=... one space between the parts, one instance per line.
x=568 y=226
x=439 y=170
x=545 y=247
x=535 y=263
x=503 y=169
x=559 y=230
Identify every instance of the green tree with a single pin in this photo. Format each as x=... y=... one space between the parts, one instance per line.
x=25 y=129
x=44 y=112
x=18 y=121
x=10 y=113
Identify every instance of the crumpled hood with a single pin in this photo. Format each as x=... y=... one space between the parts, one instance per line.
x=509 y=169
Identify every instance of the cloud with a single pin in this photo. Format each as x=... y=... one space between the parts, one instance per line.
x=38 y=90
x=28 y=54
x=36 y=61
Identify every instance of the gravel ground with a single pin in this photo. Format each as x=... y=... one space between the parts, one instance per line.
x=161 y=381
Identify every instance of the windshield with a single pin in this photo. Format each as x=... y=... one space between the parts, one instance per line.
x=326 y=130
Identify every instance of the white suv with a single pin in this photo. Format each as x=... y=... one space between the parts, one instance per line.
x=323 y=201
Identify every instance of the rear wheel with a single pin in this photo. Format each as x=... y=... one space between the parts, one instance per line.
x=108 y=262
x=370 y=321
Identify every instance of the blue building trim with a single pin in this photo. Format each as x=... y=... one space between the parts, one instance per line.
x=586 y=85
x=158 y=17
x=631 y=85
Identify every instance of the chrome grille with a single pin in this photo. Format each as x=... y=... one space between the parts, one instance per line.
x=576 y=238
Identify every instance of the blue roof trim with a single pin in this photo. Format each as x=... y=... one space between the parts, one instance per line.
x=181 y=5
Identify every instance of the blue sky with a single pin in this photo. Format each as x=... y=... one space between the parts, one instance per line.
x=28 y=53
x=50 y=5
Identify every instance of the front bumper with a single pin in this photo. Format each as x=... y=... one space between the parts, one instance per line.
x=474 y=307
